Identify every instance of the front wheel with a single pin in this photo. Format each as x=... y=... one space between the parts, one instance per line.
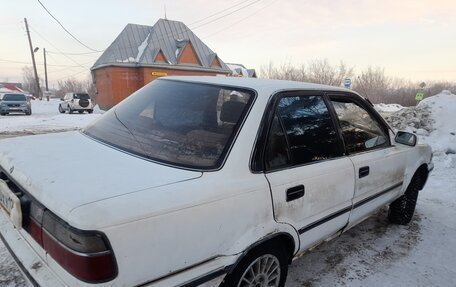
x=61 y=110
x=401 y=210
x=266 y=266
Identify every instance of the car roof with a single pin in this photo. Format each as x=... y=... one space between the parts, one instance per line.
x=257 y=84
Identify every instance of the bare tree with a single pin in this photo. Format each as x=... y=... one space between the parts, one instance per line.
x=29 y=83
x=372 y=83
x=76 y=86
x=317 y=71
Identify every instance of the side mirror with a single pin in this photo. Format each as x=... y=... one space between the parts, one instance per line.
x=406 y=138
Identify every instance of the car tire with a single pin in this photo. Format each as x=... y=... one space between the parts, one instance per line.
x=80 y=112
x=61 y=110
x=70 y=110
x=401 y=210
x=28 y=113
x=273 y=257
x=90 y=111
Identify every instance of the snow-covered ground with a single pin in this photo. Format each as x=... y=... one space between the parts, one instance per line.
x=373 y=253
x=45 y=118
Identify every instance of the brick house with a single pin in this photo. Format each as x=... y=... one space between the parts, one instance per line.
x=140 y=54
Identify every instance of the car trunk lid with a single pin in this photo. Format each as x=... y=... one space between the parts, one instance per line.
x=66 y=170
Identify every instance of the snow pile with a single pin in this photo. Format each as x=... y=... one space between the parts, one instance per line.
x=45 y=118
x=388 y=108
x=417 y=120
x=443 y=109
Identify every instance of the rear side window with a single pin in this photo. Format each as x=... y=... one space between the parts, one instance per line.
x=308 y=133
x=361 y=131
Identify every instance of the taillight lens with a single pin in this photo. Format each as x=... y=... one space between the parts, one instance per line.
x=86 y=255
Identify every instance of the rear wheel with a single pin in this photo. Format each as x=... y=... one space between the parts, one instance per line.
x=70 y=110
x=80 y=112
x=90 y=111
x=401 y=210
x=266 y=266
x=28 y=113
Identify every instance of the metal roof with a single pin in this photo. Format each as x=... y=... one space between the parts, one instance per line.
x=138 y=45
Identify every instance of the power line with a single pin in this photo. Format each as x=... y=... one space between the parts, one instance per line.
x=55 y=47
x=65 y=29
x=217 y=13
x=223 y=16
x=72 y=75
x=240 y=20
x=27 y=63
x=75 y=54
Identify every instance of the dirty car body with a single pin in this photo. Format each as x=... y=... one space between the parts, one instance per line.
x=197 y=180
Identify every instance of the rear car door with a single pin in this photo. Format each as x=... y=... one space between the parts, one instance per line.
x=311 y=180
x=379 y=166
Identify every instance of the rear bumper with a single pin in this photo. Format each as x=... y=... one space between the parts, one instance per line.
x=79 y=108
x=33 y=267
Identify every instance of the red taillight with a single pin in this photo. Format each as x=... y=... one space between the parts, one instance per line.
x=88 y=267
x=86 y=255
x=35 y=231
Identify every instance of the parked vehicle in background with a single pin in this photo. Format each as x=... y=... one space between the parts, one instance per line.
x=197 y=179
x=15 y=103
x=76 y=102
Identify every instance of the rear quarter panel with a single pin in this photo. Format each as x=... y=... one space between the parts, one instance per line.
x=157 y=232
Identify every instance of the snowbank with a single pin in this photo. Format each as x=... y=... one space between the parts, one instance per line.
x=443 y=109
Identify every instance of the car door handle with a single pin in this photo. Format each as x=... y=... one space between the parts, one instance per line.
x=363 y=171
x=295 y=192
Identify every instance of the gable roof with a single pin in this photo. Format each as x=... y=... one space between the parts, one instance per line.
x=139 y=45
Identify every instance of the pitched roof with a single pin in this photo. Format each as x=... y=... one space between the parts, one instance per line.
x=139 y=45
x=240 y=70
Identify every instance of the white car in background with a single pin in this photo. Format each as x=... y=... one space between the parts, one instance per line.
x=203 y=180
x=76 y=102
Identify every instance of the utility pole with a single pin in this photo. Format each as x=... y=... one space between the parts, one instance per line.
x=46 y=75
x=40 y=96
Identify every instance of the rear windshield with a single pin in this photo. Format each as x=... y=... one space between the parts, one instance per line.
x=14 y=97
x=81 y=96
x=179 y=123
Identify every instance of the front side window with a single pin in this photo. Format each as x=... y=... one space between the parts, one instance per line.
x=361 y=131
x=184 y=124
x=309 y=129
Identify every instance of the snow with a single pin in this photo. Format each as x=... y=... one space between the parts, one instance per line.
x=373 y=253
x=235 y=68
x=388 y=108
x=443 y=109
x=141 y=48
x=45 y=118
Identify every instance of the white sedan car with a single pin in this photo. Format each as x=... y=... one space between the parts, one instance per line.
x=203 y=180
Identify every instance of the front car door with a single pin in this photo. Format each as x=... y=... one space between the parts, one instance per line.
x=311 y=180
x=379 y=166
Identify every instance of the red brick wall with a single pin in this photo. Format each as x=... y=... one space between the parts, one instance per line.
x=116 y=83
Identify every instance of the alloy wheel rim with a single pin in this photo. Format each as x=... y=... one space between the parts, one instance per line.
x=262 y=272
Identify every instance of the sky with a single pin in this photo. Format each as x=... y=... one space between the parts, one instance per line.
x=410 y=39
